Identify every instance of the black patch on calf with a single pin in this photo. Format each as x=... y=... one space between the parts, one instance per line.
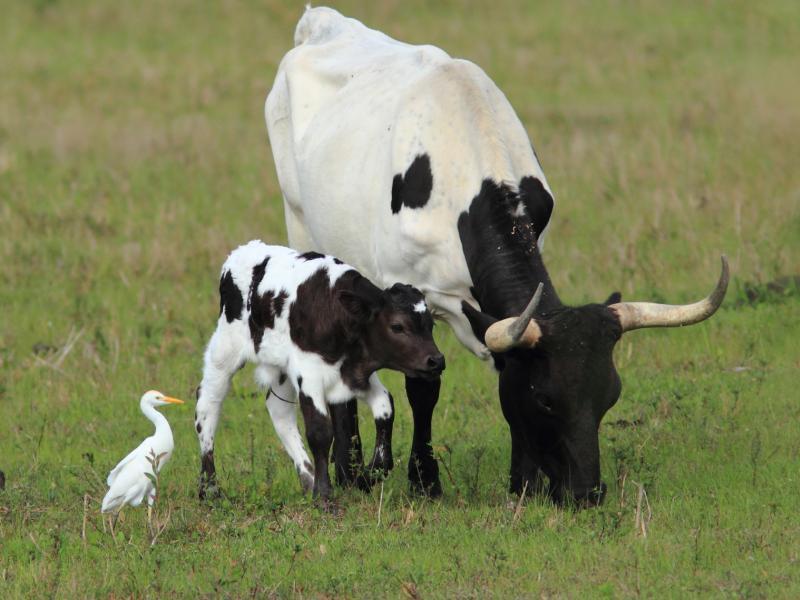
x=414 y=189
x=230 y=298
x=199 y=428
x=319 y=322
x=282 y=379
x=311 y=255
x=278 y=302
x=255 y=280
x=263 y=311
x=538 y=202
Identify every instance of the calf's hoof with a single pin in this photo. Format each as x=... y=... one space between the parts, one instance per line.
x=329 y=506
x=208 y=489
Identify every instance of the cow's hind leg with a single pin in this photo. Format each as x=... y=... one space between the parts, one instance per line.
x=348 y=458
x=221 y=361
x=282 y=407
x=319 y=433
x=423 y=470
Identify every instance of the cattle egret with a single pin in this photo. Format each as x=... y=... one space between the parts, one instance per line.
x=134 y=478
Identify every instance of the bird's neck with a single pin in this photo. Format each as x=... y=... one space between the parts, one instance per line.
x=159 y=420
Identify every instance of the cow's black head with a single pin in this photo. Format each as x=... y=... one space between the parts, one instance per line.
x=397 y=328
x=558 y=380
x=555 y=394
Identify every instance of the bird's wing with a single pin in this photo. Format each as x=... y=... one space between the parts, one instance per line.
x=141 y=450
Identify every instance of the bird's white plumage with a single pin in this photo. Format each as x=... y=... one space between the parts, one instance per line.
x=129 y=482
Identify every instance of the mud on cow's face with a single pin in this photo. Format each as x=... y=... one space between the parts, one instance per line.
x=402 y=333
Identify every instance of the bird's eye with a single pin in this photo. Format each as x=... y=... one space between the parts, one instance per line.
x=397 y=328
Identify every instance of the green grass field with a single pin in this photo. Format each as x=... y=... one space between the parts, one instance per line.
x=133 y=157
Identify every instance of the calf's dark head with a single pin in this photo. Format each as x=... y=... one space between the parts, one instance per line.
x=557 y=378
x=397 y=328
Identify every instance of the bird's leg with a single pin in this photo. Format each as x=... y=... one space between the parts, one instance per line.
x=112 y=523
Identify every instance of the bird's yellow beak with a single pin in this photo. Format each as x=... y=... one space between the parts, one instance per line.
x=173 y=400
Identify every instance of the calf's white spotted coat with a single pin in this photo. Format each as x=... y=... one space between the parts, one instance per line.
x=281 y=365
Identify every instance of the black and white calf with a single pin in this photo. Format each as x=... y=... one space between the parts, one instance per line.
x=318 y=331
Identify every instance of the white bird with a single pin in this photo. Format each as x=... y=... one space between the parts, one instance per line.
x=133 y=479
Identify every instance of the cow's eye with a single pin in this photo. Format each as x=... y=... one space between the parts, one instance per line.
x=397 y=328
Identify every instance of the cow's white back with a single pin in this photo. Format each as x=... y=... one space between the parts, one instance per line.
x=350 y=109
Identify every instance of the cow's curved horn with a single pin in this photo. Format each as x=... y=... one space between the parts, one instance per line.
x=636 y=315
x=521 y=331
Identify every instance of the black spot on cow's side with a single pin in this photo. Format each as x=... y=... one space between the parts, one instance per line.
x=230 y=298
x=311 y=255
x=414 y=189
x=199 y=428
x=538 y=202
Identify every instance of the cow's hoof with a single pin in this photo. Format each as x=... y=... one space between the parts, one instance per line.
x=423 y=477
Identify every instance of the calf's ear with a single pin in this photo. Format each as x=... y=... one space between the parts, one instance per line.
x=357 y=306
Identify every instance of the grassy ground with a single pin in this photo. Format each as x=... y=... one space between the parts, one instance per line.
x=133 y=156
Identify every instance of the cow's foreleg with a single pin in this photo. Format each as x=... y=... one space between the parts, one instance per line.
x=423 y=470
x=221 y=361
x=348 y=458
x=282 y=407
x=319 y=433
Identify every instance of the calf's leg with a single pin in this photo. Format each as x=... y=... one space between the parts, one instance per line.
x=423 y=470
x=282 y=407
x=319 y=433
x=381 y=404
x=221 y=361
x=348 y=458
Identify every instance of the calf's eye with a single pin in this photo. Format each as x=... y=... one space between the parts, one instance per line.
x=397 y=328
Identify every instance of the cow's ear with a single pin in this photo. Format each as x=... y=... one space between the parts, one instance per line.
x=613 y=298
x=479 y=321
